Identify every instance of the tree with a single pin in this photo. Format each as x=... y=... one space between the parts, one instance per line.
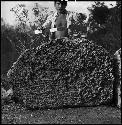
x=118 y=4
x=78 y=27
x=108 y=33
x=99 y=14
x=26 y=25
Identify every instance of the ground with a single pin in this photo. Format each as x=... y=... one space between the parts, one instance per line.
x=16 y=114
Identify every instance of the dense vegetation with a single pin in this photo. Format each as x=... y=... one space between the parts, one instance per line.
x=105 y=26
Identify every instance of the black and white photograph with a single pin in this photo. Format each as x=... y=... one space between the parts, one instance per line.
x=61 y=62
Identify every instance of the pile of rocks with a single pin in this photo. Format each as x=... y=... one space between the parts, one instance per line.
x=63 y=73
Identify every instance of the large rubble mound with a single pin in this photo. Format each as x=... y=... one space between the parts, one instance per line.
x=63 y=73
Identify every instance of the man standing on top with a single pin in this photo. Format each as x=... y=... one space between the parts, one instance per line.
x=59 y=23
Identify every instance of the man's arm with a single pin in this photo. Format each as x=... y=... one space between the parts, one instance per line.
x=46 y=26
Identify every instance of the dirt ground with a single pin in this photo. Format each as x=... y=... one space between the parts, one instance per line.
x=16 y=114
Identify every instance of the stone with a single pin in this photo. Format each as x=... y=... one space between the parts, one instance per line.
x=63 y=73
x=117 y=75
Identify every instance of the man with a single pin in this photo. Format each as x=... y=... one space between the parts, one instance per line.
x=59 y=22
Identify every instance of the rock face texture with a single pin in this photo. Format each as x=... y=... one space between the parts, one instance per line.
x=63 y=73
x=117 y=57
x=117 y=75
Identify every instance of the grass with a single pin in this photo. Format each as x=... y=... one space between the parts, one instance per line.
x=16 y=114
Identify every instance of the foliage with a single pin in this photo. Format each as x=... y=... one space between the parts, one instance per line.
x=118 y=4
x=22 y=34
x=108 y=33
x=79 y=26
x=99 y=14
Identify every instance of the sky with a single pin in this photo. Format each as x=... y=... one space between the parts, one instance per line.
x=78 y=6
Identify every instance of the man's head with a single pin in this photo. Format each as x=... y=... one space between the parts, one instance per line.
x=60 y=5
